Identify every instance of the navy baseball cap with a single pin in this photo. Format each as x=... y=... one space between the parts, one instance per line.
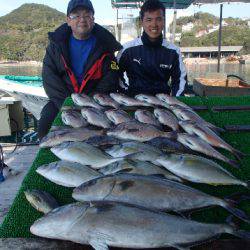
x=79 y=3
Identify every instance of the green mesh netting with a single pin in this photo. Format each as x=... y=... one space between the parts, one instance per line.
x=21 y=215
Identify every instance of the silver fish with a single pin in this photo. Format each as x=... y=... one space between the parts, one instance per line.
x=105 y=100
x=41 y=200
x=168 y=145
x=117 y=225
x=74 y=134
x=154 y=101
x=96 y=117
x=138 y=167
x=149 y=192
x=170 y=100
x=167 y=118
x=199 y=145
x=103 y=141
x=145 y=116
x=118 y=116
x=137 y=131
x=131 y=147
x=126 y=100
x=84 y=101
x=136 y=151
x=67 y=174
x=73 y=118
x=198 y=169
x=84 y=154
x=209 y=136
x=187 y=114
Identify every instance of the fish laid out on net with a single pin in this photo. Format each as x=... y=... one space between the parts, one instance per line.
x=127 y=161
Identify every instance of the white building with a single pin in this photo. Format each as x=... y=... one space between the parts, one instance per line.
x=187 y=27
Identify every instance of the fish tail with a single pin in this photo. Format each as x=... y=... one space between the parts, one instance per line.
x=233 y=163
x=238 y=154
x=237 y=212
x=242 y=234
x=218 y=129
x=237 y=197
x=248 y=184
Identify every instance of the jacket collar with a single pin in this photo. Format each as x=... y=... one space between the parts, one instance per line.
x=103 y=36
x=146 y=41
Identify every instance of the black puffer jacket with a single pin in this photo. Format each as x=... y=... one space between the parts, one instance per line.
x=56 y=81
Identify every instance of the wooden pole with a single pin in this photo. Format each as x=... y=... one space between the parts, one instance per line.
x=219 y=39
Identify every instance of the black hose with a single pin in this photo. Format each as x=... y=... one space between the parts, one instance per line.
x=232 y=75
x=16 y=143
x=1 y=158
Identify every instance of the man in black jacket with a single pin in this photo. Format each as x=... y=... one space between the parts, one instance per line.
x=79 y=59
x=150 y=61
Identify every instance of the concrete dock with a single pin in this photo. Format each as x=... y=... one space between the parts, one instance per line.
x=20 y=160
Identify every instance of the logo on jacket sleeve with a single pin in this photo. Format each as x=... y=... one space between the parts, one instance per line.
x=114 y=65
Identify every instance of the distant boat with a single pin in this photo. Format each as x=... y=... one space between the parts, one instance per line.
x=27 y=89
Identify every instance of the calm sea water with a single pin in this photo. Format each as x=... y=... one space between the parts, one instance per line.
x=193 y=70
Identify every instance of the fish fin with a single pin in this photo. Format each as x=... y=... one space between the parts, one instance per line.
x=158 y=175
x=237 y=212
x=55 y=128
x=180 y=247
x=238 y=154
x=98 y=245
x=230 y=221
x=131 y=130
x=187 y=214
x=184 y=214
x=238 y=196
x=125 y=170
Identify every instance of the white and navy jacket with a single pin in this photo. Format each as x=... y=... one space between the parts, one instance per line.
x=149 y=66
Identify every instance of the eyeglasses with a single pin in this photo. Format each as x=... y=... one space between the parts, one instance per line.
x=78 y=17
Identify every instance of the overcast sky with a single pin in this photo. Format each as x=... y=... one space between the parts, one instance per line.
x=104 y=13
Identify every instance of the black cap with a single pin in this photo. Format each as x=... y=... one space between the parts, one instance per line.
x=79 y=3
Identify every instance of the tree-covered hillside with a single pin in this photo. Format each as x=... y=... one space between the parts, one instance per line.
x=234 y=32
x=230 y=36
x=23 y=32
